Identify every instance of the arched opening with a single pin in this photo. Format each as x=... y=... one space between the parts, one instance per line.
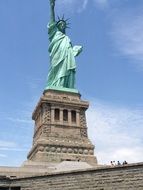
x=57 y=114
x=65 y=115
x=73 y=116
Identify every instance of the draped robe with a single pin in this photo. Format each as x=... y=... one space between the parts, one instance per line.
x=62 y=58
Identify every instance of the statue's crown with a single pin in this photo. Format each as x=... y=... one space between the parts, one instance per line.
x=63 y=20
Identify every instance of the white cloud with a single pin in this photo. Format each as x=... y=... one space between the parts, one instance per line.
x=19 y=120
x=128 y=36
x=7 y=144
x=14 y=149
x=116 y=132
x=72 y=5
x=22 y=115
x=10 y=146
x=127 y=27
x=101 y=3
x=3 y=156
x=84 y=5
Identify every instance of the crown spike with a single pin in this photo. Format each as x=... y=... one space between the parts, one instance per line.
x=63 y=17
x=67 y=19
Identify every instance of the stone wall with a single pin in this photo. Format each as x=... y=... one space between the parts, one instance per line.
x=4 y=181
x=129 y=177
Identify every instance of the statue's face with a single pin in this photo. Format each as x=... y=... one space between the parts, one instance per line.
x=62 y=26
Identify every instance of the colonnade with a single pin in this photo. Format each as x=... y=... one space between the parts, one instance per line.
x=65 y=116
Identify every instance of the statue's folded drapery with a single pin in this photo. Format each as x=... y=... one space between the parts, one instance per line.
x=62 y=58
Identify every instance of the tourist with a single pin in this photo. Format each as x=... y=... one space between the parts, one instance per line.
x=125 y=162
x=118 y=163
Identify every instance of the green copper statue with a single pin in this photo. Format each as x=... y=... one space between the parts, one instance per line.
x=62 y=54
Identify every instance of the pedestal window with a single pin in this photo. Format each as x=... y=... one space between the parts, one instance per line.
x=65 y=115
x=73 y=116
x=57 y=114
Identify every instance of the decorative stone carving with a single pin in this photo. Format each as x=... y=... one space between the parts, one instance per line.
x=49 y=96
x=53 y=149
x=38 y=119
x=41 y=149
x=46 y=114
x=66 y=98
x=82 y=119
x=83 y=132
x=56 y=97
x=75 y=150
x=37 y=136
x=91 y=152
x=64 y=150
x=80 y=151
x=70 y=150
x=75 y=99
x=46 y=131
x=58 y=150
x=47 y=149
x=85 y=151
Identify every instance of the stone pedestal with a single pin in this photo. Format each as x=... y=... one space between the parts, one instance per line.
x=60 y=132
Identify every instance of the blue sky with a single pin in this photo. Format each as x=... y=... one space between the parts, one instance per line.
x=109 y=73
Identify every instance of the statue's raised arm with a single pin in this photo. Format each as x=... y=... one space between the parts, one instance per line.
x=62 y=54
x=52 y=10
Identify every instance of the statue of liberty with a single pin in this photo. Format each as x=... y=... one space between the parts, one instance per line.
x=62 y=54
